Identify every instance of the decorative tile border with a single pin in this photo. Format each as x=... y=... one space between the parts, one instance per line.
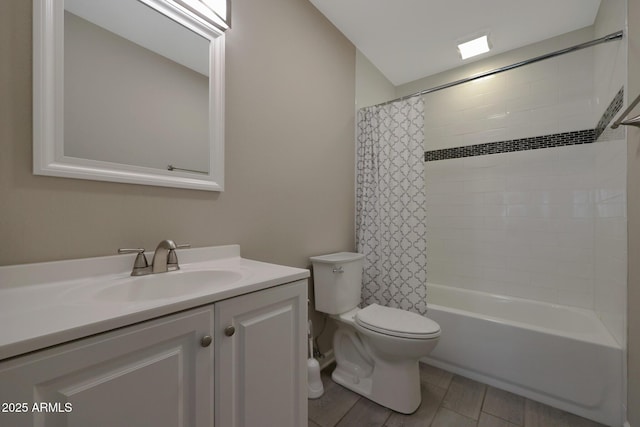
x=586 y=136
x=555 y=140
x=610 y=112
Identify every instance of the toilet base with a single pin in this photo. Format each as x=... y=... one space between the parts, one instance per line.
x=362 y=386
x=398 y=385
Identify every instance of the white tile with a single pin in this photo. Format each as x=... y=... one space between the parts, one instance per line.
x=433 y=133
x=485 y=136
x=546 y=252
x=611 y=228
x=493 y=210
x=576 y=299
x=485 y=185
x=612 y=180
x=531 y=265
x=475 y=109
x=609 y=271
x=575 y=107
x=520 y=104
x=574 y=226
x=574 y=166
x=495 y=287
x=542 y=113
x=577 y=64
x=521 y=183
x=579 y=255
x=582 y=210
x=518 y=210
x=549 y=85
x=457 y=222
x=611 y=210
x=494 y=198
x=517 y=197
x=437 y=234
x=529 y=168
x=487 y=235
x=434 y=187
x=574 y=182
x=504 y=248
x=576 y=269
x=569 y=240
x=454 y=198
x=467 y=282
x=493 y=223
x=531 y=238
x=570 y=284
x=445 y=210
x=506 y=275
x=470 y=126
x=528 y=224
x=548 y=279
x=484 y=161
x=435 y=275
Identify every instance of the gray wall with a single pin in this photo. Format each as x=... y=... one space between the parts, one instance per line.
x=289 y=153
x=633 y=218
x=372 y=87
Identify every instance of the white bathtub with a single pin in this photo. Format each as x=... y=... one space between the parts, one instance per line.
x=558 y=355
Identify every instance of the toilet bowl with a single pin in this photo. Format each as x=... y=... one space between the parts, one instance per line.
x=377 y=348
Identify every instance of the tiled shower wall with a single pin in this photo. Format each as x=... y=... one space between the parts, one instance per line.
x=548 y=97
x=524 y=223
x=533 y=224
x=610 y=73
x=610 y=268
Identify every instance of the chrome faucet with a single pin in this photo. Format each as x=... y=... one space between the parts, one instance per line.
x=164 y=259
x=160 y=263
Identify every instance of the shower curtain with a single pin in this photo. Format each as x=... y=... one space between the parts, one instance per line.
x=390 y=204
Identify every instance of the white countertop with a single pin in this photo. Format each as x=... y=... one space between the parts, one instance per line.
x=50 y=303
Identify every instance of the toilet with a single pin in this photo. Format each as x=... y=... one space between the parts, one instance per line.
x=377 y=348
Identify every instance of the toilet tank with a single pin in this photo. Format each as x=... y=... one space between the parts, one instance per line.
x=337 y=281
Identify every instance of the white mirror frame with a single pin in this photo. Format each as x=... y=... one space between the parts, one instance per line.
x=48 y=106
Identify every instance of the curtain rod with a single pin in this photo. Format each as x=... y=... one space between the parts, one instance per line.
x=608 y=38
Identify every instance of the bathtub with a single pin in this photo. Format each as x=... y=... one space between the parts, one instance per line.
x=562 y=356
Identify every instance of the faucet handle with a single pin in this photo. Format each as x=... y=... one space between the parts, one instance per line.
x=141 y=260
x=172 y=258
x=131 y=251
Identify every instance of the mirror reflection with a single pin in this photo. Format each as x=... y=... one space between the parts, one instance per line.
x=136 y=88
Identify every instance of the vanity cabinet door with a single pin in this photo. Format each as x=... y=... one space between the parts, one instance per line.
x=261 y=376
x=157 y=373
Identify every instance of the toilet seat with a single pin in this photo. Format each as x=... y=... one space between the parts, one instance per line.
x=396 y=322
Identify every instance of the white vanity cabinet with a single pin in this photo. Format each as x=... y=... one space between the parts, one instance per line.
x=220 y=342
x=260 y=370
x=156 y=373
x=237 y=362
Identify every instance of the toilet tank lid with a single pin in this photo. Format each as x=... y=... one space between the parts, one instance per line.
x=337 y=257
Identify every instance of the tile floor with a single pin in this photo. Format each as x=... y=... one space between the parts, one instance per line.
x=448 y=400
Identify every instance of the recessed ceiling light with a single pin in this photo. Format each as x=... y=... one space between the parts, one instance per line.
x=474 y=47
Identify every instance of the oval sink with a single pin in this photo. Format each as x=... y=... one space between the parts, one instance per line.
x=167 y=285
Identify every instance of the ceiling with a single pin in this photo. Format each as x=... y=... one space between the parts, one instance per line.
x=411 y=39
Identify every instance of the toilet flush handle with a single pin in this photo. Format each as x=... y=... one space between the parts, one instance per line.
x=338 y=269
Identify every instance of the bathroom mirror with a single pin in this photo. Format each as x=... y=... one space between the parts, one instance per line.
x=128 y=91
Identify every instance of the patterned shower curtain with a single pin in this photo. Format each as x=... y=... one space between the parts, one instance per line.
x=390 y=204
